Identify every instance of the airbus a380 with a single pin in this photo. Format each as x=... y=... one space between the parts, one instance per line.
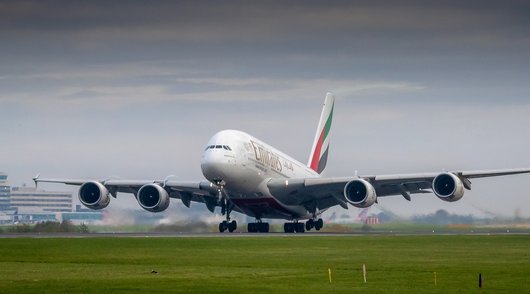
x=246 y=175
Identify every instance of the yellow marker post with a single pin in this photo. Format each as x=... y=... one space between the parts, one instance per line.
x=364 y=272
x=329 y=275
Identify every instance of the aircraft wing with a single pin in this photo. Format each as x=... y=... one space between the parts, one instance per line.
x=187 y=191
x=325 y=192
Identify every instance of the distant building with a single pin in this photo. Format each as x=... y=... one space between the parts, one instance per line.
x=38 y=205
x=5 y=192
x=30 y=200
x=372 y=220
x=79 y=208
x=83 y=215
x=8 y=216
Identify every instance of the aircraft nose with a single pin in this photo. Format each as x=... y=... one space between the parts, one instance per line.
x=213 y=165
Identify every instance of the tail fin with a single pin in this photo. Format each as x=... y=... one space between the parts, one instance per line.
x=319 y=152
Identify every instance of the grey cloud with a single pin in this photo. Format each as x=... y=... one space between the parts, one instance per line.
x=335 y=26
x=216 y=19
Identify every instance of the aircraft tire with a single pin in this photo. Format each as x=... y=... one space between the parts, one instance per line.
x=232 y=226
x=299 y=227
x=288 y=227
x=222 y=227
x=309 y=225
x=263 y=227
x=319 y=224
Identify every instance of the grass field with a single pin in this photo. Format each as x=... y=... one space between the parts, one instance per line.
x=286 y=264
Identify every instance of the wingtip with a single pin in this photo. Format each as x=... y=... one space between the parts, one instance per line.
x=36 y=180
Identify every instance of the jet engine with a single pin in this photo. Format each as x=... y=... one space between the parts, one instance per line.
x=153 y=198
x=448 y=187
x=94 y=195
x=360 y=193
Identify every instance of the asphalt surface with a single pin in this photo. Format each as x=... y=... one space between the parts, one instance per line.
x=244 y=234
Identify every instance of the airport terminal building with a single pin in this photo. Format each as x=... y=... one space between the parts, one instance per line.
x=32 y=205
x=6 y=213
x=35 y=205
x=5 y=191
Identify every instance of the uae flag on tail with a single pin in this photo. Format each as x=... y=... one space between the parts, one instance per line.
x=320 y=150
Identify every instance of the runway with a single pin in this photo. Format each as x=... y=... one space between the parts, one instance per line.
x=253 y=235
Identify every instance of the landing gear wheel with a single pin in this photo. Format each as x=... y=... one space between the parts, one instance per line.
x=293 y=227
x=258 y=227
x=319 y=224
x=288 y=227
x=299 y=227
x=263 y=227
x=251 y=228
x=232 y=226
x=309 y=225
x=222 y=226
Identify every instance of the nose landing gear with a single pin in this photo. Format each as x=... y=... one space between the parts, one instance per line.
x=317 y=224
x=226 y=208
x=227 y=225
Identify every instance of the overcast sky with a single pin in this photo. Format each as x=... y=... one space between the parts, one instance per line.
x=136 y=88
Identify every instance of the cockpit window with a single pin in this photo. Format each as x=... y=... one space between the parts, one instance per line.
x=225 y=147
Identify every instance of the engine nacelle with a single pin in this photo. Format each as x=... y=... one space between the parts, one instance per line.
x=153 y=198
x=94 y=195
x=360 y=193
x=448 y=187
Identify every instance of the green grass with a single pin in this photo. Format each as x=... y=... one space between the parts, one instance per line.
x=295 y=264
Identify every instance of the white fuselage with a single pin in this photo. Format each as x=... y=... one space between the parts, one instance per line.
x=245 y=164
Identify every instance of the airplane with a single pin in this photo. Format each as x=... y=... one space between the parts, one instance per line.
x=246 y=175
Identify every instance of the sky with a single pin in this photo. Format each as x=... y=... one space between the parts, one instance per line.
x=134 y=89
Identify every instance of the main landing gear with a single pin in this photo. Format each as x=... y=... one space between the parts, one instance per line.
x=258 y=227
x=301 y=227
x=226 y=208
x=293 y=227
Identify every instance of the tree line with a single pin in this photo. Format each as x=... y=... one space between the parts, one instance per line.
x=65 y=226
